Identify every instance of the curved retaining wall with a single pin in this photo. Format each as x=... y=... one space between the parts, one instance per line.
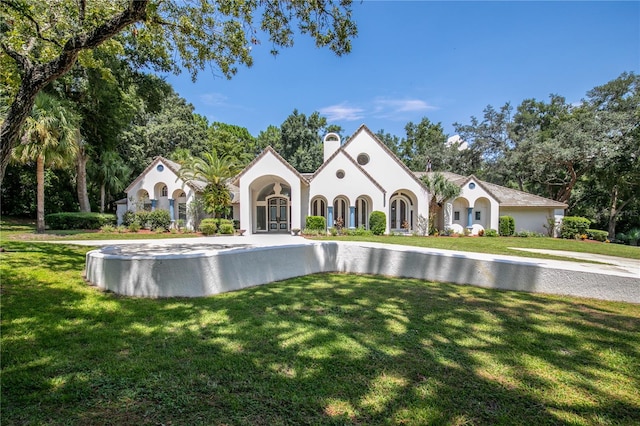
x=202 y=272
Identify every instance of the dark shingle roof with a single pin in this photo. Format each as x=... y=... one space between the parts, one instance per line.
x=507 y=197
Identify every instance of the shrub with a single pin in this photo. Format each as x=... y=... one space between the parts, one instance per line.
x=490 y=233
x=574 y=226
x=129 y=217
x=594 y=234
x=333 y=231
x=108 y=228
x=159 y=218
x=134 y=227
x=226 y=228
x=506 y=226
x=318 y=223
x=143 y=218
x=208 y=226
x=527 y=234
x=377 y=222
x=159 y=230
x=313 y=232
x=77 y=220
x=481 y=233
x=121 y=229
x=632 y=237
x=361 y=231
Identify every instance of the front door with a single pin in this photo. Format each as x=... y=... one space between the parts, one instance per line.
x=278 y=214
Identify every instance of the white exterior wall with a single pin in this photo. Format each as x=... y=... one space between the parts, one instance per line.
x=388 y=173
x=532 y=219
x=479 y=200
x=354 y=184
x=152 y=182
x=268 y=170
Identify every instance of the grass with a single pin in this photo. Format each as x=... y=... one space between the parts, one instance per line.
x=323 y=350
x=501 y=245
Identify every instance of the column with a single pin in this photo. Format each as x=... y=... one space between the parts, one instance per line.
x=330 y=217
x=352 y=217
x=153 y=204
x=470 y=217
x=171 y=209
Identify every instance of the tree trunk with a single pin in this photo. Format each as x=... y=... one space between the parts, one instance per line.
x=615 y=211
x=40 y=195
x=102 y=196
x=81 y=181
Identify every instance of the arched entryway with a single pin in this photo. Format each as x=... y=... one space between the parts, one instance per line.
x=402 y=207
x=273 y=208
x=179 y=211
x=341 y=211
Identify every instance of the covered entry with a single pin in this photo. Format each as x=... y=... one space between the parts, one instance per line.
x=273 y=208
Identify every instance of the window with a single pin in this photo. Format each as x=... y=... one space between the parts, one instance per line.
x=472 y=185
x=363 y=159
x=477 y=215
x=164 y=191
x=160 y=167
x=340 y=174
x=456 y=215
x=318 y=208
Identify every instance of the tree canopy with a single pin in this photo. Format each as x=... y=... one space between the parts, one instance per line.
x=42 y=40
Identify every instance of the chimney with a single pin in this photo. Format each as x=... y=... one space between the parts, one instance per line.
x=331 y=144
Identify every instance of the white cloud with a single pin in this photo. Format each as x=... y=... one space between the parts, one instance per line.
x=399 y=108
x=403 y=105
x=342 y=112
x=213 y=99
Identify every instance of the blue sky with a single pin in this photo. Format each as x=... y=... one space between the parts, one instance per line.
x=442 y=60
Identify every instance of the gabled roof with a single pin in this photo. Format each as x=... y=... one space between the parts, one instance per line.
x=196 y=185
x=355 y=163
x=364 y=128
x=506 y=197
x=514 y=198
x=269 y=149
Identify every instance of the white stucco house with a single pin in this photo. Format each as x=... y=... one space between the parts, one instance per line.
x=159 y=187
x=355 y=179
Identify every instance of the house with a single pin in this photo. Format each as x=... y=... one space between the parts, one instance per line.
x=480 y=205
x=160 y=187
x=355 y=179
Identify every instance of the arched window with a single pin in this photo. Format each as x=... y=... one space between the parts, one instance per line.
x=164 y=191
x=318 y=207
x=341 y=211
x=362 y=213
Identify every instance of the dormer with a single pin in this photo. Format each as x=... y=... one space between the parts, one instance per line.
x=331 y=144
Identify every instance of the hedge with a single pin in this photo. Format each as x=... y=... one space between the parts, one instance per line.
x=377 y=222
x=597 y=235
x=318 y=223
x=574 y=226
x=77 y=220
x=155 y=219
x=506 y=226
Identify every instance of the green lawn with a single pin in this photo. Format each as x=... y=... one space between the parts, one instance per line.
x=323 y=349
x=501 y=245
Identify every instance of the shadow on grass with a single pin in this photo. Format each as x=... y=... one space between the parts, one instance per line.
x=321 y=349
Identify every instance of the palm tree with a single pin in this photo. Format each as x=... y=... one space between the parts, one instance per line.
x=50 y=137
x=440 y=189
x=214 y=171
x=112 y=173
